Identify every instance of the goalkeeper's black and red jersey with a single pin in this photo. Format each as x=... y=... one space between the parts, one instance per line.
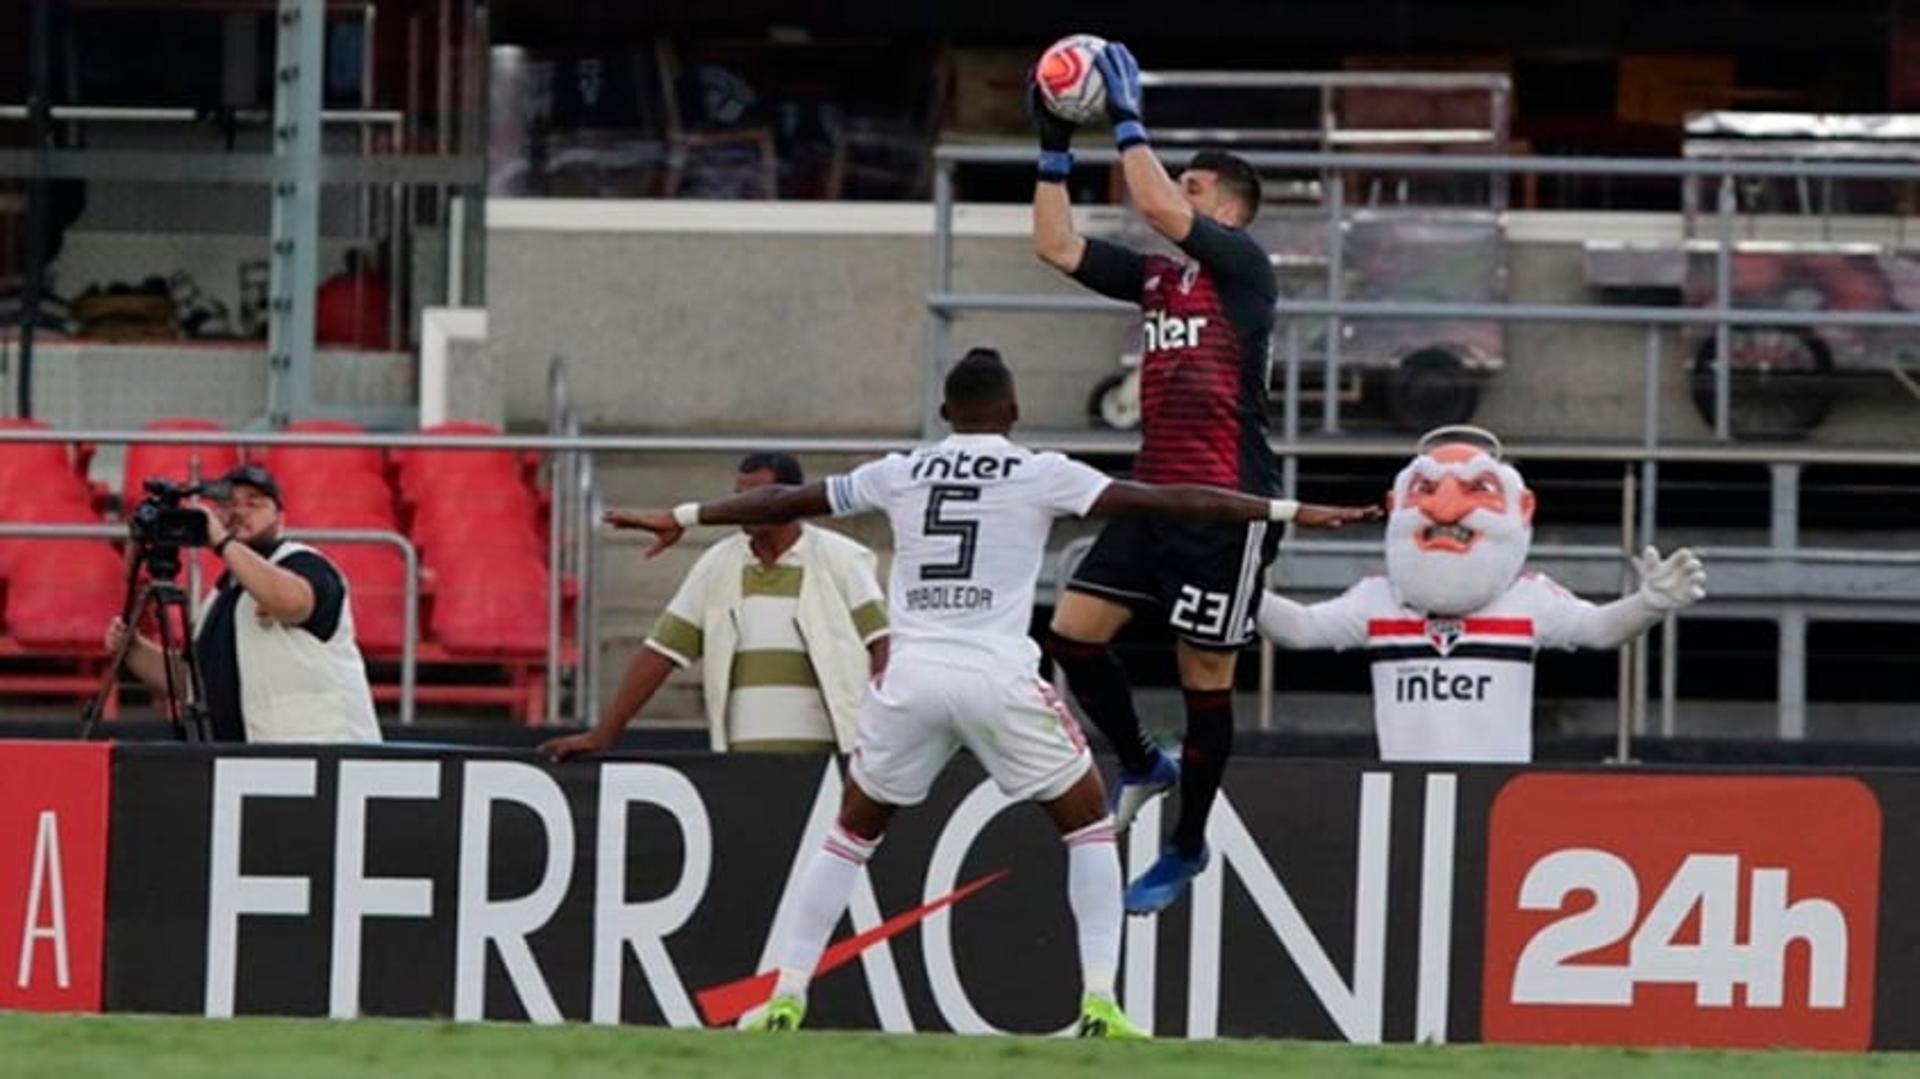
x=1203 y=382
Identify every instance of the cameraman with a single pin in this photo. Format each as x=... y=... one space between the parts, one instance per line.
x=274 y=640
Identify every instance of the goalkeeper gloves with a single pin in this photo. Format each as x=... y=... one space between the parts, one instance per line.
x=1056 y=136
x=1121 y=73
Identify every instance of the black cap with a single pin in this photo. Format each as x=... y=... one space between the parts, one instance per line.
x=248 y=475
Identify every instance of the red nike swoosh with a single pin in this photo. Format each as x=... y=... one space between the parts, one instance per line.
x=722 y=1004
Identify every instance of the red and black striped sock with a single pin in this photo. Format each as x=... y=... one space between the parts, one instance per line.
x=1100 y=687
x=1203 y=760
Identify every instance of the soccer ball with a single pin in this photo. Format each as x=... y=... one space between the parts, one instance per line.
x=1070 y=85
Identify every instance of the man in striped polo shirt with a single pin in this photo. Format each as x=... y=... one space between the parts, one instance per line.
x=787 y=623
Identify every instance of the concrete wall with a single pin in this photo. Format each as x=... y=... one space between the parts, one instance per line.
x=744 y=317
x=810 y=319
x=104 y=386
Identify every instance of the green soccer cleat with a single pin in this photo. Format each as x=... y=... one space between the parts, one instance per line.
x=1101 y=1017
x=782 y=1013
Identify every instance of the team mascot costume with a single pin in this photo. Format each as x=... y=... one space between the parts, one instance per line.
x=1453 y=627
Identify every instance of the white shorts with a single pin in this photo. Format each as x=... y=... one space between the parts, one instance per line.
x=1012 y=721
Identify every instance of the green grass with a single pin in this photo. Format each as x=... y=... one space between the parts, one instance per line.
x=151 y=1047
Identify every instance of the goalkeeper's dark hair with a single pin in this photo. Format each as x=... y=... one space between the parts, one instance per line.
x=980 y=379
x=784 y=468
x=1236 y=175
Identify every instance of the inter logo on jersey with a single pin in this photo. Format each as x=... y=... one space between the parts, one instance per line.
x=1166 y=333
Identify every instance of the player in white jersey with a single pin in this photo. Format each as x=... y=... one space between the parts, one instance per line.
x=1453 y=627
x=970 y=517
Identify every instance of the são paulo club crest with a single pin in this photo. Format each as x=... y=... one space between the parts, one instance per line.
x=1443 y=633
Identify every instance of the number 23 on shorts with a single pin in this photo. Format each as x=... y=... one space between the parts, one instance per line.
x=1201 y=613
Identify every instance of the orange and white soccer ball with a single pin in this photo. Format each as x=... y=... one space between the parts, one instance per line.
x=1070 y=85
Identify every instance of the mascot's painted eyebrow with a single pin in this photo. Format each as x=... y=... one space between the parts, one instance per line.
x=1486 y=481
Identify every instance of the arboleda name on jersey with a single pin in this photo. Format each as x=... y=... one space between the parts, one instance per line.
x=948 y=597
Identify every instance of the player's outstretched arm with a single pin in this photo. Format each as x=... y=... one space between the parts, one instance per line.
x=1153 y=191
x=775 y=503
x=1122 y=498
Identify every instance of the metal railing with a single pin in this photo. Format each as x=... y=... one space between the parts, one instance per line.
x=1638 y=500
x=1328 y=132
x=944 y=302
x=572 y=552
x=409 y=665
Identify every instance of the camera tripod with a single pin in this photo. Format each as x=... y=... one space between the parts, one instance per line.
x=162 y=596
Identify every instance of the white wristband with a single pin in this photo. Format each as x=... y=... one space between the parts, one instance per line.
x=1282 y=509
x=686 y=514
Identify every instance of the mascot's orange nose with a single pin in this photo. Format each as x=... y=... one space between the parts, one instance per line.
x=1448 y=504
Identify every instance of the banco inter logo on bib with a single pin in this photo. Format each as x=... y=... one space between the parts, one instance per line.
x=1682 y=910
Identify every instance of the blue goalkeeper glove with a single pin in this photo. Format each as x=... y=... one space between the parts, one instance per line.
x=1056 y=135
x=1121 y=72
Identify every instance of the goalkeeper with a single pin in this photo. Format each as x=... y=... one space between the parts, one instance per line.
x=1203 y=386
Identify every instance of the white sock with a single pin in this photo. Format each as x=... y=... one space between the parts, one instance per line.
x=1093 y=890
x=824 y=890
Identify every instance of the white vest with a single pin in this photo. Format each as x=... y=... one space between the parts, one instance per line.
x=839 y=658
x=295 y=687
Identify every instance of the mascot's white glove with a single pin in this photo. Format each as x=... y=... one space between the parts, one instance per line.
x=1673 y=582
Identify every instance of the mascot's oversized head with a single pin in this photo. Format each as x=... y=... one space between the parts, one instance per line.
x=1460 y=521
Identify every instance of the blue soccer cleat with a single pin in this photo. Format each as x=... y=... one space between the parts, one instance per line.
x=1165 y=880
x=1137 y=789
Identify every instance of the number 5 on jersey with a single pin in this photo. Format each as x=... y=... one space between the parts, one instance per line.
x=940 y=522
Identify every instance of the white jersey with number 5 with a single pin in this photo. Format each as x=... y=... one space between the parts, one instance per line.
x=970 y=517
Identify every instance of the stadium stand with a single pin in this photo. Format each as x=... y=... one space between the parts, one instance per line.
x=476 y=516
x=60 y=593
x=481 y=526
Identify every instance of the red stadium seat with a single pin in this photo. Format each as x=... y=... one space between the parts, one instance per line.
x=73 y=501
x=447 y=535
x=314 y=486
x=345 y=500
x=285 y=461
x=491 y=608
x=376 y=587
x=28 y=458
x=345 y=513
x=62 y=595
x=421 y=470
x=65 y=507
x=471 y=486
x=174 y=461
x=43 y=469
